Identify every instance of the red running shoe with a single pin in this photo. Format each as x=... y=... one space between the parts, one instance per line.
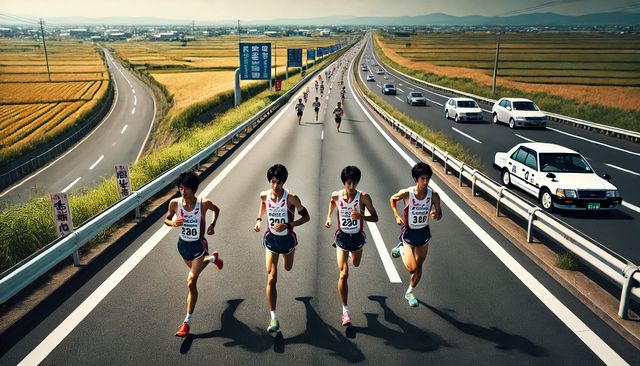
x=346 y=319
x=219 y=263
x=183 y=331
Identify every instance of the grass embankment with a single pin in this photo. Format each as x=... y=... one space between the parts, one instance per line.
x=26 y=228
x=617 y=117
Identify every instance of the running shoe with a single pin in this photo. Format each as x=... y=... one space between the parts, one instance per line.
x=413 y=302
x=395 y=252
x=183 y=331
x=218 y=262
x=346 y=319
x=274 y=326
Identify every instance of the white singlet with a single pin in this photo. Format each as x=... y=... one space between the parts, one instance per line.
x=345 y=223
x=191 y=228
x=416 y=213
x=278 y=213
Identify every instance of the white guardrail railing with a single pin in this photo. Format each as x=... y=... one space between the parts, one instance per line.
x=31 y=269
x=612 y=266
x=576 y=122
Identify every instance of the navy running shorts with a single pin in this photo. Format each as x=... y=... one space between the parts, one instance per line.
x=350 y=242
x=415 y=237
x=190 y=250
x=280 y=244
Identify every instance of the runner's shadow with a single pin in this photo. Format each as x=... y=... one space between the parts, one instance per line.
x=410 y=336
x=321 y=335
x=238 y=333
x=345 y=132
x=503 y=340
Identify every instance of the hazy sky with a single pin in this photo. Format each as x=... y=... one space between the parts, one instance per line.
x=274 y=9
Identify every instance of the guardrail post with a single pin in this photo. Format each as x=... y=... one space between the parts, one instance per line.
x=629 y=271
x=446 y=159
x=498 y=200
x=532 y=216
x=473 y=182
x=76 y=258
x=433 y=152
x=460 y=175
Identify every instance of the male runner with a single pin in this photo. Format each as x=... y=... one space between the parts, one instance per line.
x=280 y=205
x=349 y=239
x=299 y=110
x=190 y=215
x=342 y=92
x=304 y=95
x=316 y=106
x=420 y=205
x=321 y=88
x=316 y=86
x=337 y=113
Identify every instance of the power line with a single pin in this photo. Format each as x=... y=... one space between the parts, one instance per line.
x=18 y=18
x=544 y=5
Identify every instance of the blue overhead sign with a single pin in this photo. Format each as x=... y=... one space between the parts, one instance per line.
x=294 y=57
x=255 y=61
x=311 y=54
x=319 y=51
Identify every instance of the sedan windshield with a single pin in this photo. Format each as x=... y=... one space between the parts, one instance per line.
x=467 y=104
x=564 y=163
x=416 y=95
x=525 y=106
x=389 y=86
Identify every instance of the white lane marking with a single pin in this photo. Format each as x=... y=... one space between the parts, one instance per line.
x=524 y=138
x=488 y=111
x=133 y=110
x=465 y=135
x=623 y=169
x=134 y=91
x=96 y=163
x=577 y=326
x=434 y=102
x=135 y=100
x=631 y=206
x=124 y=129
x=392 y=273
x=594 y=142
x=400 y=99
x=71 y=322
x=322 y=135
x=379 y=86
x=401 y=89
x=71 y=185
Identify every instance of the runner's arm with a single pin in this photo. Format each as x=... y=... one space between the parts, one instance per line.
x=368 y=204
x=261 y=210
x=168 y=220
x=436 y=211
x=215 y=209
x=332 y=206
x=295 y=200
x=393 y=201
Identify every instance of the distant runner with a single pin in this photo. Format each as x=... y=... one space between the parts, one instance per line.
x=337 y=114
x=316 y=107
x=299 y=110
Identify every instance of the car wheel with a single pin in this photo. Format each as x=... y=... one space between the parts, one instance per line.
x=495 y=118
x=506 y=178
x=446 y=113
x=546 y=200
x=512 y=123
x=456 y=119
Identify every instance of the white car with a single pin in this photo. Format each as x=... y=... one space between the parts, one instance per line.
x=370 y=78
x=380 y=72
x=557 y=176
x=518 y=112
x=462 y=109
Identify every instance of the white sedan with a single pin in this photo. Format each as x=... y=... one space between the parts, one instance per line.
x=557 y=176
x=462 y=109
x=518 y=112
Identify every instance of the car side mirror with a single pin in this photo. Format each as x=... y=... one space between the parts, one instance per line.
x=508 y=108
x=551 y=175
x=606 y=176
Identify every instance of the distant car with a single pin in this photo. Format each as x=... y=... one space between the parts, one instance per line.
x=462 y=109
x=416 y=98
x=518 y=112
x=370 y=78
x=559 y=177
x=389 y=89
x=364 y=68
x=380 y=72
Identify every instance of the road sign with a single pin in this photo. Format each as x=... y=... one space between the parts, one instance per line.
x=255 y=61
x=320 y=53
x=294 y=57
x=311 y=54
x=123 y=181
x=61 y=214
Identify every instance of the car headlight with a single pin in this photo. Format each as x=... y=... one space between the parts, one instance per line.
x=568 y=193
x=612 y=194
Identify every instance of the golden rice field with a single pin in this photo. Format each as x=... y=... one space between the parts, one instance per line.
x=34 y=110
x=595 y=68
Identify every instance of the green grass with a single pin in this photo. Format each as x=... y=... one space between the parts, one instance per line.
x=567 y=261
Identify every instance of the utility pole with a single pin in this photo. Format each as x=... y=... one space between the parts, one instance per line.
x=193 y=27
x=495 y=66
x=46 y=56
x=238 y=32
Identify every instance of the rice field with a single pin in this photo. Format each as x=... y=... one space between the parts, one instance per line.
x=596 y=68
x=34 y=109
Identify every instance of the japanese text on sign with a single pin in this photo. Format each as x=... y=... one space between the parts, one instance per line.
x=255 y=61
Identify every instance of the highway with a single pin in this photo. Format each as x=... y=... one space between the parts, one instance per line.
x=482 y=301
x=617 y=229
x=118 y=139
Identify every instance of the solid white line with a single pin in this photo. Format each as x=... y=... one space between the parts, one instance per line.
x=322 y=135
x=96 y=163
x=71 y=322
x=133 y=110
x=153 y=120
x=379 y=86
x=623 y=169
x=124 y=129
x=592 y=340
x=465 y=135
x=400 y=99
x=631 y=206
x=524 y=138
x=595 y=142
x=433 y=101
x=394 y=277
x=71 y=185
x=488 y=111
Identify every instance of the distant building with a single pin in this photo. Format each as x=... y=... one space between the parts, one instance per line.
x=6 y=32
x=271 y=34
x=325 y=33
x=79 y=33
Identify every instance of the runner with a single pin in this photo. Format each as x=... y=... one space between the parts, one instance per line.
x=349 y=239
x=316 y=86
x=420 y=205
x=342 y=92
x=189 y=213
x=321 y=88
x=279 y=238
x=304 y=95
x=337 y=113
x=299 y=110
x=316 y=107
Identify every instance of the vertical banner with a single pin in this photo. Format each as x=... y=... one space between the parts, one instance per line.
x=61 y=214
x=311 y=55
x=278 y=85
x=255 y=61
x=294 y=57
x=123 y=181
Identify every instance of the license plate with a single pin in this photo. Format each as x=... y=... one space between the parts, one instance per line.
x=593 y=206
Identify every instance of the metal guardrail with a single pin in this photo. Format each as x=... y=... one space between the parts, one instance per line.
x=576 y=122
x=613 y=267
x=25 y=274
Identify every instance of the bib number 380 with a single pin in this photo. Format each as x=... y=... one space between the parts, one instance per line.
x=419 y=219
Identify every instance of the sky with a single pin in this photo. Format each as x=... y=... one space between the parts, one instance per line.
x=215 y=10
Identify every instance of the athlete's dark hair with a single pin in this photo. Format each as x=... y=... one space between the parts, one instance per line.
x=421 y=169
x=279 y=172
x=350 y=172
x=188 y=180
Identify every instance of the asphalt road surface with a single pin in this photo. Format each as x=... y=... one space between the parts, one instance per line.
x=118 y=139
x=481 y=300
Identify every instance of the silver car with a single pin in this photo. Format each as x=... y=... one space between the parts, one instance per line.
x=416 y=98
